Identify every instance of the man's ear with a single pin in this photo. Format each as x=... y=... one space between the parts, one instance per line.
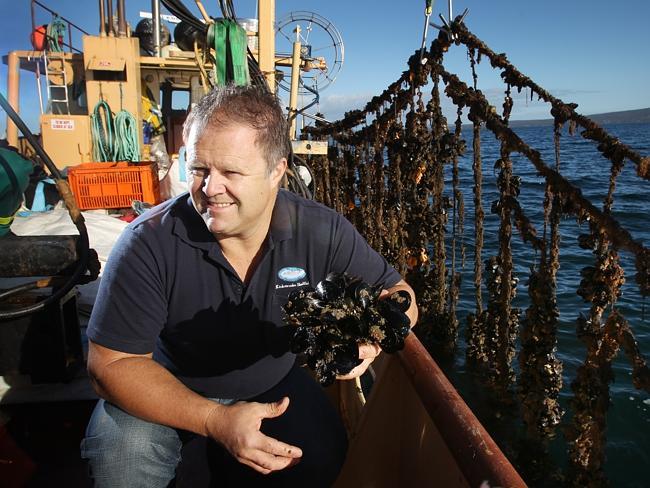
x=278 y=171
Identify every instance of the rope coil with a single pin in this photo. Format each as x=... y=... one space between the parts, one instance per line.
x=114 y=138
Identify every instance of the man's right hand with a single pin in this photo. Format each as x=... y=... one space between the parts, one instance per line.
x=237 y=428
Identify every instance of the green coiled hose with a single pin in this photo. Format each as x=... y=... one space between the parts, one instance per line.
x=114 y=139
x=127 y=146
x=103 y=132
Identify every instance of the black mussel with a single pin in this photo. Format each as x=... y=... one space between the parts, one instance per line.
x=351 y=326
x=297 y=295
x=329 y=336
x=324 y=372
x=401 y=299
x=303 y=340
x=372 y=317
x=313 y=304
x=332 y=287
x=363 y=293
x=312 y=361
x=332 y=315
x=395 y=318
x=345 y=357
x=391 y=342
x=301 y=302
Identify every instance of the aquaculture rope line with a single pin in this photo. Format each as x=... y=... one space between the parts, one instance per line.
x=385 y=171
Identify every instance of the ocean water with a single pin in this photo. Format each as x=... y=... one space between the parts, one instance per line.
x=628 y=421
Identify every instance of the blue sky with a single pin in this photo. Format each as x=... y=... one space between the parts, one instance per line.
x=591 y=52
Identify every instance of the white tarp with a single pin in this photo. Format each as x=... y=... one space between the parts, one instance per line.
x=103 y=231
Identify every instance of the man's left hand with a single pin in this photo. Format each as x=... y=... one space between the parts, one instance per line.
x=367 y=352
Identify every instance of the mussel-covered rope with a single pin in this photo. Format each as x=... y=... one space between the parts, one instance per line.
x=540 y=380
x=395 y=150
x=458 y=211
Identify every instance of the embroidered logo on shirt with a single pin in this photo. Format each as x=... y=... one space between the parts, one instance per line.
x=291 y=274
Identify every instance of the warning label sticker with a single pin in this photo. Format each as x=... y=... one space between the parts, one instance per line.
x=62 y=124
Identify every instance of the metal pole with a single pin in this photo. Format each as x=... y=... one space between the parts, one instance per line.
x=121 y=19
x=451 y=14
x=13 y=87
x=69 y=36
x=38 y=83
x=295 y=78
x=102 y=19
x=266 y=32
x=33 y=17
x=109 y=15
x=155 y=16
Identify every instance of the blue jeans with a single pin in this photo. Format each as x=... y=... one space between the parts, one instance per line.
x=125 y=451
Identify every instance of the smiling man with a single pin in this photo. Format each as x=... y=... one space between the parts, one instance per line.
x=186 y=336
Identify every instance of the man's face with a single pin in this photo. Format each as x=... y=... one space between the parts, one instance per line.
x=229 y=181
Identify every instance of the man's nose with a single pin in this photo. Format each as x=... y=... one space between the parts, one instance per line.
x=214 y=184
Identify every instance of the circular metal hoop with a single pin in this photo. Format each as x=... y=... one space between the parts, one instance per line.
x=319 y=39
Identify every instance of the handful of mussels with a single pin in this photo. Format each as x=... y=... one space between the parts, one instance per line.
x=341 y=313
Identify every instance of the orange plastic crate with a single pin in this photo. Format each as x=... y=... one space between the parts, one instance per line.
x=114 y=185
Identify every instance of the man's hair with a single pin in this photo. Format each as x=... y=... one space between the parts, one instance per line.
x=250 y=106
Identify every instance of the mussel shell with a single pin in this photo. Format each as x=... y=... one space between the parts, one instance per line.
x=362 y=293
x=391 y=342
x=352 y=327
x=395 y=318
x=303 y=340
x=332 y=315
x=346 y=357
x=372 y=317
x=297 y=295
x=301 y=301
x=329 y=337
x=325 y=374
x=332 y=287
x=401 y=299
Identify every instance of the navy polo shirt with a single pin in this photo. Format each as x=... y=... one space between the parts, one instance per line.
x=168 y=289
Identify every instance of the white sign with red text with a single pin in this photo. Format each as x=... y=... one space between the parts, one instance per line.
x=62 y=124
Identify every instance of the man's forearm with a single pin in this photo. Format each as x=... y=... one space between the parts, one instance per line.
x=147 y=390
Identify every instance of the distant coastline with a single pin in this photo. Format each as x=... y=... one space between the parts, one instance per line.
x=639 y=116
